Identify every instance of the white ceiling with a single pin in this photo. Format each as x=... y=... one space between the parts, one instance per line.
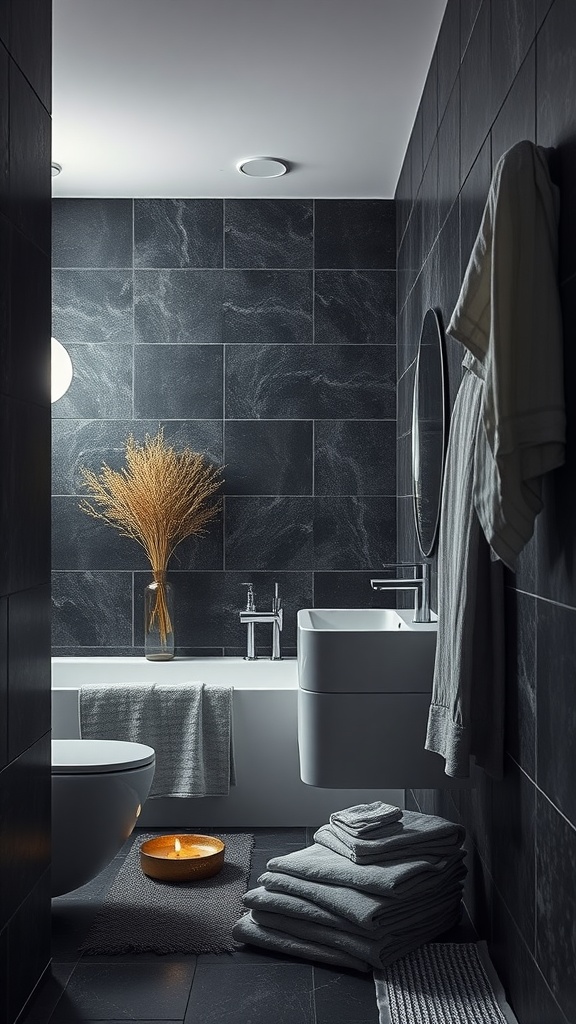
x=165 y=97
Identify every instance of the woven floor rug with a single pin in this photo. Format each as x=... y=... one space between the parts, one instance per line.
x=442 y=983
x=140 y=915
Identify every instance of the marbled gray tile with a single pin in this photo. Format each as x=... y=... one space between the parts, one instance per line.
x=80 y=541
x=355 y=307
x=475 y=91
x=351 y=590
x=517 y=117
x=520 y=719
x=344 y=997
x=310 y=382
x=101 y=385
x=468 y=14
x=526 y=990
x=268 y=456
x=92 y=609
x=255 y=992
x=91 y=443
x=354 y=533
x=472 y=202
x=268 y=533
x=92 y=306
x=513 y=846
x=92 y=233
x=449 y=156
x=542 y=8
x=131 y=991
x=178 y=381
x=428 y=200
x=178 y=232
x=448 y=47
x=430 y=108
x=415 y=144
x=295 y=589
x=273 y=233
x=355 y=234
x=556 y=708
x=512 y=33
x=354 y=457
x=272 y=306
x=556 y=899
x=178 y=306
x=405 y=482
x=449 y=283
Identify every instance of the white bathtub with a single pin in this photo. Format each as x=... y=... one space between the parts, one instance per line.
x=268 y=790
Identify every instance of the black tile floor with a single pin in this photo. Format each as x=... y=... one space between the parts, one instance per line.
x=249 y=986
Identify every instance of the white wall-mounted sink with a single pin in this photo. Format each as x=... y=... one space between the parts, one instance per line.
x=365 y=681
x=365 y=650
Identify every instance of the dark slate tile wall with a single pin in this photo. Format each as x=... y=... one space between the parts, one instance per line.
x=506 y=70
x=25 y=74
x=262 y=333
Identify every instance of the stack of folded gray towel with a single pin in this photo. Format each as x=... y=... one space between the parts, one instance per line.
x=377 y=883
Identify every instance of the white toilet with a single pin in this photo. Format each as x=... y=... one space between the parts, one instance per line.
x=98 y=789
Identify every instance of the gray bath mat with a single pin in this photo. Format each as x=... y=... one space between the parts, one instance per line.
x=140 y=915
x=443 y=983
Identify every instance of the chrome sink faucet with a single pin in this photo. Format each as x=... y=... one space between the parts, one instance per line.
x=419 y=583
x=251 y=616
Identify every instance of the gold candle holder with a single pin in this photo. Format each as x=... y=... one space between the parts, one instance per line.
x=182 y=858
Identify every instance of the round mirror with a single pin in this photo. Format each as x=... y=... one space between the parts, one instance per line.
x=428 y=431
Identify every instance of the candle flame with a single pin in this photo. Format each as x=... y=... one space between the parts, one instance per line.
x=177 y=845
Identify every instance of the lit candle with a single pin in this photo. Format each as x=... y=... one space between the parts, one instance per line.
x=190 y=857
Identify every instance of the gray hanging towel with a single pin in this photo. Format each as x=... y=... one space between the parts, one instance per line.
x=189 y=725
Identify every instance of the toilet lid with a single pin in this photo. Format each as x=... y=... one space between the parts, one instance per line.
x=90 y=757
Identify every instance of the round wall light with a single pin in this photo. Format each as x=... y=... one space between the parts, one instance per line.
x=55 y=168
x=263 y=167
x=61 y=371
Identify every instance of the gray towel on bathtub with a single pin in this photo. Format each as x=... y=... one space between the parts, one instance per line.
x=188 y=724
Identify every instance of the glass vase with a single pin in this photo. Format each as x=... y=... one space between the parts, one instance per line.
x=158 y=619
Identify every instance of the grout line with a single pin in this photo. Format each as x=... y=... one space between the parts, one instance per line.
x=543 y=793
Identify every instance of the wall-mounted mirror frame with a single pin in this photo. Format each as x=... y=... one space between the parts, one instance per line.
x=429 y=430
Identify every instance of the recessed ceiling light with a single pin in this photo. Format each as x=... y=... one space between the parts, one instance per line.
x=263 y=167
x=55 y=168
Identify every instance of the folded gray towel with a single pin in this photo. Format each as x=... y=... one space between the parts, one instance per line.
x=367 y=819
x=391 y=878
x=375 y=952
x=362 y=909
x=402 y=917
x=246 y=930
x=421 y=835
x=188 y=724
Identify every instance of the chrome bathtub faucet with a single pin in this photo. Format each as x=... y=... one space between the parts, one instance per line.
x=419 y=583
x=251 y=616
